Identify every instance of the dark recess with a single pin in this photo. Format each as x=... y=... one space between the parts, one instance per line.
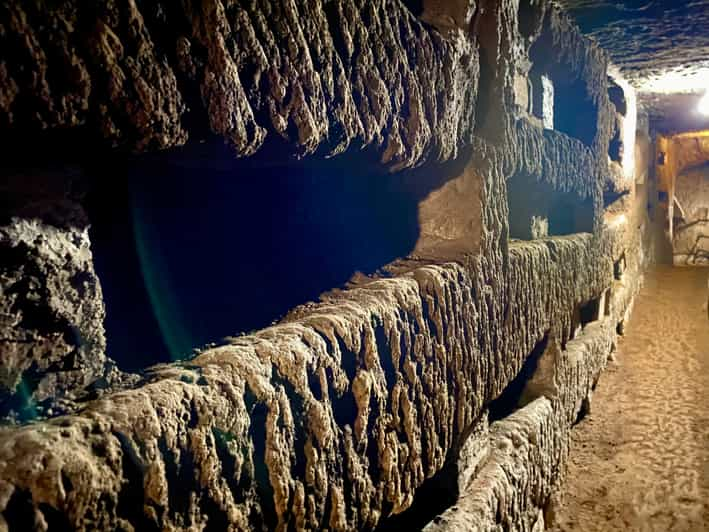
x=528 y=18
x=575 y=112
x=590 y=311
x=509 y=400
x=617 y=97
x=432 y=498
x=615 y=148
x=415 y=6
x=194 y=245
x=566 y=212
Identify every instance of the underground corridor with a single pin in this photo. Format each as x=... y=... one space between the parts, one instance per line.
x=381 y=265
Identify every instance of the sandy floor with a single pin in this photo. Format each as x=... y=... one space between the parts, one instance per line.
x=640 y=460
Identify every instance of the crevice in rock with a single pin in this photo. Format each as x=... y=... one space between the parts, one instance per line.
x=19 y=510
x=132 y=495
x=433 y=497
x=619 y=267
x=262 y=483
x=584 y=410
x=509 y=400
x=615 y=148
x=617 y=97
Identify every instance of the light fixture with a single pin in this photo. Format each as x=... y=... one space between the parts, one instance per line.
x=703 y=106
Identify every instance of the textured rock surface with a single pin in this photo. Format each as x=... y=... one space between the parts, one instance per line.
x=338 y=414
x=647 y=40
x=515 y=487
x=662 y=48
x=51 y=308
x=674 y=155
x=322 y=75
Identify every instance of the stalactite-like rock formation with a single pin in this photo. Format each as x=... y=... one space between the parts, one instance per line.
x=323 y=75
x=340 y=414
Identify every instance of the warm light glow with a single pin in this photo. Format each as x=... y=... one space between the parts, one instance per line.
x=616 y=221
x=703 y=106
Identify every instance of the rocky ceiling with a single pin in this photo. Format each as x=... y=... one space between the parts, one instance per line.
x=662 y=48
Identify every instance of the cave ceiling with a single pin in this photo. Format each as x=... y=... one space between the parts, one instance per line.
x=662 y=48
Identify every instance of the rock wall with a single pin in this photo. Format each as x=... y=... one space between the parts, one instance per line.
x=339 y=414
x=322 y=75
x=675 y=155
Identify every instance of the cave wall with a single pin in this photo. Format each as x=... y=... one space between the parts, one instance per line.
x=337 y=415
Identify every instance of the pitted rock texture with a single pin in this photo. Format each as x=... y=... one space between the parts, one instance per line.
x=514 y=486
x=51 y=306
x=322 y=75
x=649 y=41
x=53 y=321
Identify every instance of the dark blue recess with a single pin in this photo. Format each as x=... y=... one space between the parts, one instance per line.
x=191 y=248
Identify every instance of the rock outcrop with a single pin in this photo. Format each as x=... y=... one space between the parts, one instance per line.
x=51 y=305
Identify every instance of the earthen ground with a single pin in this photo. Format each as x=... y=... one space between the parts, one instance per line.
x=640 y=459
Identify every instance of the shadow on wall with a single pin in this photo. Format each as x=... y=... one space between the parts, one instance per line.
x=192 y=246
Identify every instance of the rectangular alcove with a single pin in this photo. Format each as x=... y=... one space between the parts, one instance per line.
x=192 y=245
x=537 y=210
x=561 y=98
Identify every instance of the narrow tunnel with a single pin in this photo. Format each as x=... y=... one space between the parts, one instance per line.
x=400 y=264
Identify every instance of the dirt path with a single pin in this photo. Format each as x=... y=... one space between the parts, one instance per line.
x=640 y=460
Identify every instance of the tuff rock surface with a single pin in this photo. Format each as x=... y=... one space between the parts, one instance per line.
x=691 y=238
x=338 y=414
x=51 y=307
x=324 y=76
